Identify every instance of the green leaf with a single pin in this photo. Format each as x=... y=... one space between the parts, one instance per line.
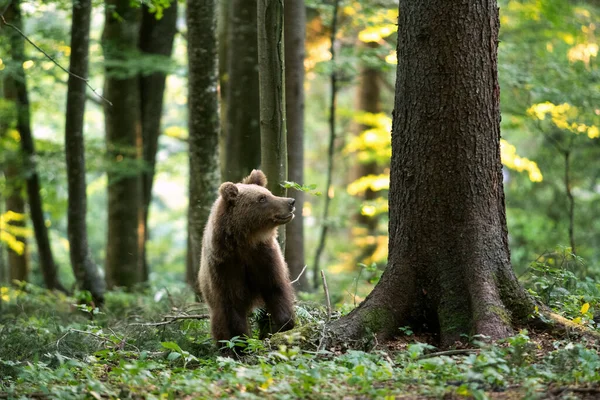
x=171 y=346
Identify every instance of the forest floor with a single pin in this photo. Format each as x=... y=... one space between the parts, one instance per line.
x=154 y=346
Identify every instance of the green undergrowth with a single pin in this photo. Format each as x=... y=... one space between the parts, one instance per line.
x=50 y=347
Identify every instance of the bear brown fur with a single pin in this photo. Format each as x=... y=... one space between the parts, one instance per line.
x=241 y=264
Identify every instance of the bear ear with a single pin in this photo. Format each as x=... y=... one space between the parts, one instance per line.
x=228 y=191
x=256 y=177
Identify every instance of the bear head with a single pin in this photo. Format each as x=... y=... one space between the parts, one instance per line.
x=253 y=207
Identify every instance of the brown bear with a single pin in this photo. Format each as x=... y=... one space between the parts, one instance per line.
x=241 y=264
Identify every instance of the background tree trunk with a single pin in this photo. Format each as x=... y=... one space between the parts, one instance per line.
x=18 y=263
x=85 y=270
x=273 y=137
x=368 y=99
x=156 y=37
x=242 y=143
x=15 y=88
x=223 y=10
x=124 y=145
x=203 y=103
x=449 y=266
x=294 y=36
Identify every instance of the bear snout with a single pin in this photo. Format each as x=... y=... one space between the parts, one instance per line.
x=291 y=202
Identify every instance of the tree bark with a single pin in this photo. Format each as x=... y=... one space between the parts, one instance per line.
x=84 y=268
x=203 y=103
x=294 y=36
x=15 y=88
x=273 y=137
x=156 y=37
x=124 y=145
x=242 y=143
x=449 y=263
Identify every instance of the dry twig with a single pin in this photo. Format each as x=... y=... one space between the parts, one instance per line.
x=326 y=289
x=299 y=275
x=168 y=319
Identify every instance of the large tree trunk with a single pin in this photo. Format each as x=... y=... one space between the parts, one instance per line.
x=242 y=143
x=124 y=145
x=85 y=270
x=294 y=35
x=449 y=266
x=156 y=38
x=273 y=137
x=203 y=103
x=15 y=88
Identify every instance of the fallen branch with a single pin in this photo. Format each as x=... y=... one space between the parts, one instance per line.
x=54 y=61
x=169 y=319
x=448 y=353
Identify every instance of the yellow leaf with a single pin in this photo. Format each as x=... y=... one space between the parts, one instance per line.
x=577 y=320
x=585 y=308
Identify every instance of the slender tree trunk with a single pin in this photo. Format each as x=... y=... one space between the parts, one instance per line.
x=449 y=263
x=18 y=263
x=84 y=268
x=242 y=143
x=3 y=264
x=368 y=99
x=15 y=88
x=294 y=36
x=124 y=144
x=203 y=105
x=570 y=198
x=223 y=10
x=273 y=136
x=156 y=37
x=330 y=151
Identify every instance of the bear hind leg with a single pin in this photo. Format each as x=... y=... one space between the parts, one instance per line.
x=228 y=322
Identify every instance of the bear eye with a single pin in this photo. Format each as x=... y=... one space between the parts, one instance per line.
x=262 y=199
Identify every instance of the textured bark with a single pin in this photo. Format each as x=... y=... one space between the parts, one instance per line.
x=242 y=143
x=15 y=88
x=156 y=38
x=84 y=268
x=124 y=145
x=203 y=104
x=294 y=36
x=449 y=263
x=273 y=137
